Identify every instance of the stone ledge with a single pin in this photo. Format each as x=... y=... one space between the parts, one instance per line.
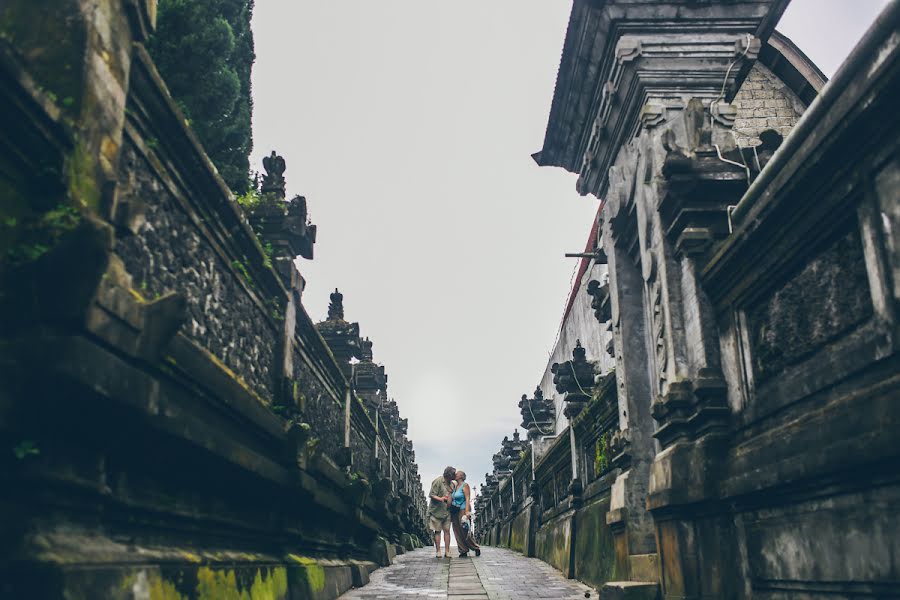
x=629 y=590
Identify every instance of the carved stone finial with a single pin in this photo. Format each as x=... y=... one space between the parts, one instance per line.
x=538 y=415
x=579 y=352
x=575 y=379
x=600 y=300
x=336 y=306
x=300 y=233
x=366 y=352
x=273 y=181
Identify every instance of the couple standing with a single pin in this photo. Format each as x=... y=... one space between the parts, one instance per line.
x=450 y=504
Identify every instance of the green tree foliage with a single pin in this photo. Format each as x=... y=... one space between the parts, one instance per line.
x=204 y=51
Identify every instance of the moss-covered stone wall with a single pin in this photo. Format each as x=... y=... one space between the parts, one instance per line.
x=520 y=530
x=553 y=542
x=595 y=553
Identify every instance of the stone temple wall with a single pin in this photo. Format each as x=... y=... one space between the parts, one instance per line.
x=173 y=424
x=754 y=305
x=579 y=325
x=168 y=252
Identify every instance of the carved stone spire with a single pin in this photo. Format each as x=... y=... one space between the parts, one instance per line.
x=513 y=448
x=369 y=379
x=336 y=306
x=283 y=227
x=342 y=337
x=538 y=415
x=366 y=352
x=575 y=379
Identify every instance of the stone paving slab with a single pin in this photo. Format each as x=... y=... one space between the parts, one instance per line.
x=497 y=574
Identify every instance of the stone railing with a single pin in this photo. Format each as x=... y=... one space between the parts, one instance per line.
x=542 y=507
x=158 y=364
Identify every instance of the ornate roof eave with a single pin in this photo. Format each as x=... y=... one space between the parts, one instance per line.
x=594 y=29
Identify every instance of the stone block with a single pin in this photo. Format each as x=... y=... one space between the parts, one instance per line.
x=318 y=579
x=629 y=590
x=381 y=552
x=360 y=573
x=644 y=567
x=406 y=541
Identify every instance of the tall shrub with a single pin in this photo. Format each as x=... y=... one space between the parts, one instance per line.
x=204 y=51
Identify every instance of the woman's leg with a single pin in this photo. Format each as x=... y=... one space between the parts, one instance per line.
x=458 y=532
x=471 y=543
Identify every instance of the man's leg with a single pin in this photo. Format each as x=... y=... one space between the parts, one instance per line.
x=447 y=539
x=436 y=528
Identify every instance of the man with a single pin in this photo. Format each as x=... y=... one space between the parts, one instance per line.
x=438 y=513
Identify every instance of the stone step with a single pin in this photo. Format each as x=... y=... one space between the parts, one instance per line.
x=629 y=590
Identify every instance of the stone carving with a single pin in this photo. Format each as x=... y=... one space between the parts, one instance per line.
x=513 y=449
x=538 y=415
x=600 y=300
x=659 y=335
x=283 y=227
x=575 y=379
x=342 y=337
x=369 y=379
x=619 y=449
x=501 y=464
x=300 y=232
x=336 y=306
x=273 y=181
x=705 y=172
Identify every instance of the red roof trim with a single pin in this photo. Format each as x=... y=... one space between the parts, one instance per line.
x=583 y=265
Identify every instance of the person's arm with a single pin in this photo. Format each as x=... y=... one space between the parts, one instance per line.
x=468 y=504
x=434 y=495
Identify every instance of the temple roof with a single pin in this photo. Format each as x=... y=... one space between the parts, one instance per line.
x=586 y=50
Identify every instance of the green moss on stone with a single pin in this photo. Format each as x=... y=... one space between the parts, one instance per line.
x=52 y=44
x=81 y=177
x=309 y=571
x=37 y=234
x=160 y=589
x=223 y=585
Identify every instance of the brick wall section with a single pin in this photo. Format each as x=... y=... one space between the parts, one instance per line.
x=764 y=102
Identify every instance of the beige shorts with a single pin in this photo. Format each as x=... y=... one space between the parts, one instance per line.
x=440 y=524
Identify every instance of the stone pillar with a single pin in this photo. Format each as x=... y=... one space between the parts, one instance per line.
x=628 y=518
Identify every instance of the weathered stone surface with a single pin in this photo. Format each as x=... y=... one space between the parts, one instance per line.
x=166 y=395
x=629 y=590
x=495 y=575
x=755 y=323
x=168 y=253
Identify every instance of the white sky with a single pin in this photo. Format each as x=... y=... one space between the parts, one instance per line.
x=409 y=126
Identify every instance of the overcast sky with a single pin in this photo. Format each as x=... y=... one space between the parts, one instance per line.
x=409 y=125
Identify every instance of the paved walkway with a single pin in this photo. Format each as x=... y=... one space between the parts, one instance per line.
x=496 y=575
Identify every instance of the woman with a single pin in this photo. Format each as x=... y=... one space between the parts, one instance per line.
x=460 y=508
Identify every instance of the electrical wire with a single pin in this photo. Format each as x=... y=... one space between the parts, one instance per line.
x=718 y=99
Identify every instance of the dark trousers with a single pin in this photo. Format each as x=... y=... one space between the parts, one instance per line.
x=464 y=541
